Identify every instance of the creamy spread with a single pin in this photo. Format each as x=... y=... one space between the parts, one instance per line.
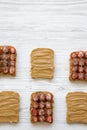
x=42 y=63
x=76 y=107
x=9 y=106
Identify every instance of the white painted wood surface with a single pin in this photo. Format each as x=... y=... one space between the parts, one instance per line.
x=57 y=24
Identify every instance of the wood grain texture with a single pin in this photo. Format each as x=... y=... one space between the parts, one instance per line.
x=57 y=24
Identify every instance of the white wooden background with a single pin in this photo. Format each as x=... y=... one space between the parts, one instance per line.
x=57 y=24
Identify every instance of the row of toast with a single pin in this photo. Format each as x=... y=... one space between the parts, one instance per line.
x=42 y=107
x=42 y=63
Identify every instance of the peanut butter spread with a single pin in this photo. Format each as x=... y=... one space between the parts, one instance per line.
x=9 y=106
x=42 y=63
x=76 y=107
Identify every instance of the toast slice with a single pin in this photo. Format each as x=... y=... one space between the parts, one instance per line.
x=7 y=60
x=41 y=108
x=9 y=107
x=76 y=107
x=42 y=63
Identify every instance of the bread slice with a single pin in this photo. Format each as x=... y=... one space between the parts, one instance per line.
x=42 y=63
x=78 y=66
x=7 y=60
x=76 y=107
x=41 y=108
x=9 y=107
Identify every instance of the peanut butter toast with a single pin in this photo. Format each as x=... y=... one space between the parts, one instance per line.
x=76 y=107
x=42 y=63
x=9 y=107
